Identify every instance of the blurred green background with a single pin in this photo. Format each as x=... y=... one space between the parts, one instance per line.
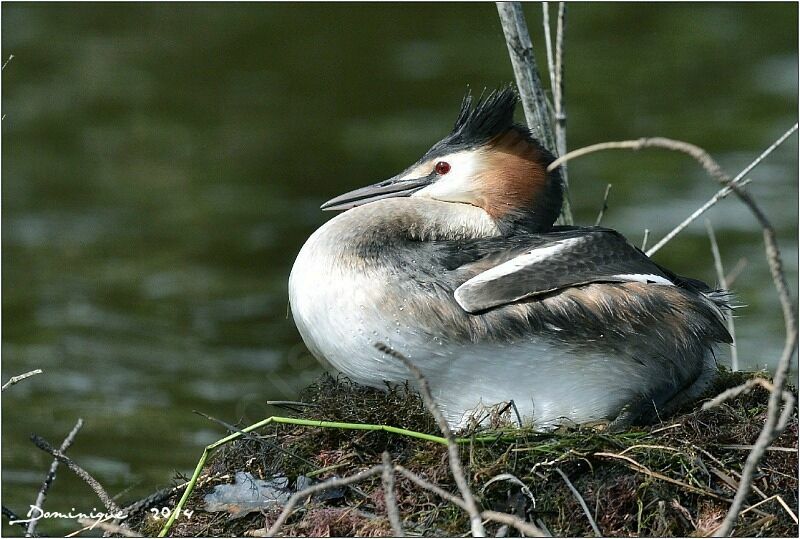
x=162 y=164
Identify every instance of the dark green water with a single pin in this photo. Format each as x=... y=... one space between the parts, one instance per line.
x=162 y=164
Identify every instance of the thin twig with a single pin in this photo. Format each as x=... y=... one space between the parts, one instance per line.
x=51 y=475
x=17 y=379
x=108 y=527
x=604 y=206
x=581 y=501
x=389 y=498
x=10 y=57
x=645 y=238
x=719 y=195
x=334 y=482
x=109 y=503
x=452 y=448
x=734 y=392
x=723 y=284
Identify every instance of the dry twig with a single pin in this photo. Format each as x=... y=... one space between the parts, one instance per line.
x=604 y=207
x=17 y=379
x=109 y=503
x=388 y=496
x=51 y=475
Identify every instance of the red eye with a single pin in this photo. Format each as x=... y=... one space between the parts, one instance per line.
x=442 y=168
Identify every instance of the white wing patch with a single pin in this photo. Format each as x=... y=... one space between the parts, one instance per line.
x=643 y=278
x=534 y=256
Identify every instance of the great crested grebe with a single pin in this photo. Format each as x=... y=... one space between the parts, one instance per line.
x=456 y=264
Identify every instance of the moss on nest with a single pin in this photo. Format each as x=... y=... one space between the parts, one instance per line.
x=675 y=478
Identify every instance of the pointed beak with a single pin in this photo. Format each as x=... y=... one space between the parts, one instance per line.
x=399 y=186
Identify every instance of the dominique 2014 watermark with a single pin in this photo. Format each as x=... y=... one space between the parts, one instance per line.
x=37 y=513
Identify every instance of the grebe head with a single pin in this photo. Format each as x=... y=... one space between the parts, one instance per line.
x=486 y=161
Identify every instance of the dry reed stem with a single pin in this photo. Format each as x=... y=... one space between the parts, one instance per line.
x=548 y=42
x=529 y=84
x=51 y=475
x=723 y=284
x=526 y=72
x=558 y=87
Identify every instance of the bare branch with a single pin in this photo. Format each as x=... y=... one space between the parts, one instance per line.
x=645 y=238
x=109 y=503
x=51 y=475
x=388 y=496
x=723 y=284
x=581 y=501
x=17 y=379
x=529 y=83
x=526 y=72
x=452 y=448
x=10 y=57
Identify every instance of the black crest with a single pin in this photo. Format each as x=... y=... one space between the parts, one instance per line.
x=479 y=121
x=490 y=116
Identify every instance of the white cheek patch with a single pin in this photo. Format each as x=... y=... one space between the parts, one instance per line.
x=458 y=184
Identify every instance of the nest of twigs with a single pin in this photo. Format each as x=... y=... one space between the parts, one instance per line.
x=675 y=478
